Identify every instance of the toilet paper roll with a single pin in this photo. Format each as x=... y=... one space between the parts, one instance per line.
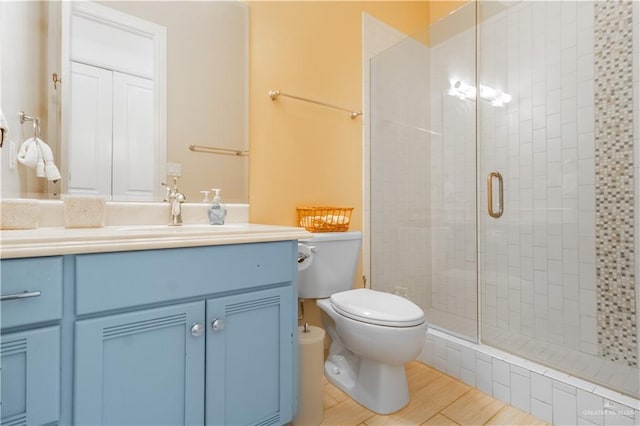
x=310 y=374
x=305 y=257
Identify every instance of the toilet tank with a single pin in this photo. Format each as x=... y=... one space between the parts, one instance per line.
x=333 y=266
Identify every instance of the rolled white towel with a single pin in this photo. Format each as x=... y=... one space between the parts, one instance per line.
x=28 y=153
x=35 y=153
x=51 y=171
x=311 y=221
x=336 y=219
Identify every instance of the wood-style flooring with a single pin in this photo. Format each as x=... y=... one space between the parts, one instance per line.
x=436 y=399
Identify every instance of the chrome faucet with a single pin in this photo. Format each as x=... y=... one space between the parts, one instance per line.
x=175 y=199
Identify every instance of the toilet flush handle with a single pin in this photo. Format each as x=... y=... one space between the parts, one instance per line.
x=304 y=256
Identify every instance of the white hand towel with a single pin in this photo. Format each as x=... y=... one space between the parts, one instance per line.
x=28 y=153
x=4 y=128
x=51 y=171
x=35 y=153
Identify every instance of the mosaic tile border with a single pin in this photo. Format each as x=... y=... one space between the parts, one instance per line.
x=615 y=267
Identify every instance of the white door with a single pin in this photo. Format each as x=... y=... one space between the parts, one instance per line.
x=90 y=131
x=134 y=147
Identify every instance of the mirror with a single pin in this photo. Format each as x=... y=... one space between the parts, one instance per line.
x=207 y=91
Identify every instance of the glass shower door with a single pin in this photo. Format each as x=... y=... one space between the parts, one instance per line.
x=555 y=118
x=423 y=173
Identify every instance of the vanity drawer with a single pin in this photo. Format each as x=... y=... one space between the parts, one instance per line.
x=108 y=281
x=31 y=290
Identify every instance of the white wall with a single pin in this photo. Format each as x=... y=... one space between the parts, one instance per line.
x=23 y=78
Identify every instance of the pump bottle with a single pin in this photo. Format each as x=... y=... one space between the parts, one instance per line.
x=217 y=212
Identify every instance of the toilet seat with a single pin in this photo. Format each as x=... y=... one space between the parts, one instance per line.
x=377 y=307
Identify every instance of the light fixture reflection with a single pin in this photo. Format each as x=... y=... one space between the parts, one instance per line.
x=465 y=91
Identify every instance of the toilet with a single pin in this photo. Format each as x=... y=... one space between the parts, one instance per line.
x=373 y=333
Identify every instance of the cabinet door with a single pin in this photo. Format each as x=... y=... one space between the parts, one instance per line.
x=30 y=377
x=250 y=358
x=134 y=139
x=90 y=131
x=140 y=368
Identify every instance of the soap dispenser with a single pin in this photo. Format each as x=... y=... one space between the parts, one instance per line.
x=217 y=212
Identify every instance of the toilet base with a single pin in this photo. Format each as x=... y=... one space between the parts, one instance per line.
x=381 y=388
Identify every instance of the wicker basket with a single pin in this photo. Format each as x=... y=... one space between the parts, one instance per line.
x=324 y=219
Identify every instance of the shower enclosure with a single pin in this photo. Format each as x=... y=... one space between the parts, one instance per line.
x=504 y=158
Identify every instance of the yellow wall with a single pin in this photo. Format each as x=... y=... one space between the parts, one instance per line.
x=303 y=153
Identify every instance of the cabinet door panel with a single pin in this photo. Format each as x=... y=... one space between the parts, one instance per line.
x=250 y=361
x=140 y=368
x=30 y=377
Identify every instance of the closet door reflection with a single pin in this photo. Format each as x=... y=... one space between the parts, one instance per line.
x=133 y=145
x=90 y=132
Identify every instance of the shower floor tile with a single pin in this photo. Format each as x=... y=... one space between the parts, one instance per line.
x=436 y=399
x=593 y=368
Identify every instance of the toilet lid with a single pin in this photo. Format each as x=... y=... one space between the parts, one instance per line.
x=377 y=307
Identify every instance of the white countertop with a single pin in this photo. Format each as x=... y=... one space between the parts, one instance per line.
x=52 y=241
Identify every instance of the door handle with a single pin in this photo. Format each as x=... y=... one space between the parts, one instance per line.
x=495 y=214
x=24 y=295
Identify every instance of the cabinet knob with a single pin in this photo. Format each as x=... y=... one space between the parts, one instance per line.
x=197 y=329
x=217 y=324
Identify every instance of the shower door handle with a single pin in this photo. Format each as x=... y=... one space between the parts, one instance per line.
x=492 y=213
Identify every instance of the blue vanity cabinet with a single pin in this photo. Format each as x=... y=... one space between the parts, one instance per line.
x=250 y=358
x=30 y=362
x=208 y=340
x=30 y=313
x=175 y=336
x=145 y=367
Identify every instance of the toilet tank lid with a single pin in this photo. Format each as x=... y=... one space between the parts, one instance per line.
x=377 y=307
x=334 y=236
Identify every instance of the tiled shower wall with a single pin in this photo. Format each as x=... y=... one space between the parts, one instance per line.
x=636 y=144
x=615 y=198
x=538 y=262
x=541 y=295
x=452 y=176
x=539 y=258
x=400 y=261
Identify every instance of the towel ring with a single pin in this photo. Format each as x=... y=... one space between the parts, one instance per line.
x=35 y=120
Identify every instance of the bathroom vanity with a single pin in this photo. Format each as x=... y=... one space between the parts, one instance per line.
x=149 y=325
